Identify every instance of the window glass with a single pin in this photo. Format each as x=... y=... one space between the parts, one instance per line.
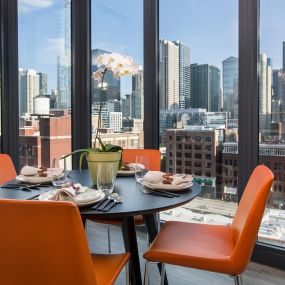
x=198 y=99
x=117 y=27
x=271 y=116
x=44 y=81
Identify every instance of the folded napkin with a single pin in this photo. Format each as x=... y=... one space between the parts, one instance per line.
x=29 y=171
x=181 y=180
x=157 y=177
x=68 y=192
x=33 y=171
x=135 y=166
x=154 y=177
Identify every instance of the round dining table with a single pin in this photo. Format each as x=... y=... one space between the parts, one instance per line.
x=136 y=201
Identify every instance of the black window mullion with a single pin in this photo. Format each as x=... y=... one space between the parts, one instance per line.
x=81 y=76
x=151 y=74
x=9 y=70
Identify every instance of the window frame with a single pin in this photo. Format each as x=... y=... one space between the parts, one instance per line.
x=81 y=84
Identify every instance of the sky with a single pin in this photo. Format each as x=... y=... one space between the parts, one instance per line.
x=208 y=27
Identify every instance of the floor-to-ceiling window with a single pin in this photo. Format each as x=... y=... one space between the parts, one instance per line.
x=44 y=33
x=117 y=27
x=272 y=116
x=198 y=102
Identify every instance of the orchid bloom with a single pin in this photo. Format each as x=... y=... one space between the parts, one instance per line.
x=116 y=63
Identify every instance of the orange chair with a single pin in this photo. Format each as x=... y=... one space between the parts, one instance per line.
x=225 y=249
x=129 y=155
x=7 y=169
x=44 y=243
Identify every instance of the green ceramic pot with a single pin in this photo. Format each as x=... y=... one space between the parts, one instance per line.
x=96 y=158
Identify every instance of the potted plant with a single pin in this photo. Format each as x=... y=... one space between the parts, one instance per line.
x=119 y=65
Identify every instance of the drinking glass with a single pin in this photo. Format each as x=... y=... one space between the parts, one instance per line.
x=106 y=174
x=60 y=180
x=141 y=166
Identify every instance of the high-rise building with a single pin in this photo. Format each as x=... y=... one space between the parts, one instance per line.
x=115 y=119
x=64 y=62
x=284 y=57
x=169 y=75
x=137 y=102
x=113 y=85
x=230 y=86
x=28 y=89
x=205 y=87
x=126 y=105
x=265 y=93
x=184 y=75
x=42 y=83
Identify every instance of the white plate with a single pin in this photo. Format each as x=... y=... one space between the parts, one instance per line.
x=168 y=187
x=89 y=197
x=126 y=172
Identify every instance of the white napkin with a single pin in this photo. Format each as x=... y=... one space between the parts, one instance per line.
x=69 y=193
x=33 y=171
x=135 y=166
x=181 y=180
x=157 y=177
x=153 y=177
x=29 y=171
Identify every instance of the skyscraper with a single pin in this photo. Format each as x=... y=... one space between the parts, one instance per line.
x=113 y=85
x=169 y=75
x=184 y=75
x=64 y=62
x=42 y=83
x=137 y=108
x=28 y=89
x=230 y=86
x=265 y=93
x=283 y=57
x=205 y=87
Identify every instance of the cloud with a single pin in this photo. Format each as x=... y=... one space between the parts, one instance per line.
x=55 y=45
x=26 y=6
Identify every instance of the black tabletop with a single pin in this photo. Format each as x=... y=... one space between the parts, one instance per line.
x=135 y=201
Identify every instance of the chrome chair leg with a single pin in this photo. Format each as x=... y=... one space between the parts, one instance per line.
x=146 y=272
x=162 y=274
x=158 y=221
x=109 y=239
x=238 y=280
x=127 y=269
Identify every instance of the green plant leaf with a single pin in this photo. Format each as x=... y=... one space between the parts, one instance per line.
x=82 y=155
x=112 y=148
x=101 y=144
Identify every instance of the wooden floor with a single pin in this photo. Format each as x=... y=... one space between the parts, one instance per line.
x=255 y=275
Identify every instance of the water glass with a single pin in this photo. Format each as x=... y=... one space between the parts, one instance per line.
x=59 y=180
x=106 y=174
x=141 y=167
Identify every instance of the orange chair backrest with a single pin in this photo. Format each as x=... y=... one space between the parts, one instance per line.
x=43 y=243
x=7 y=169
x=154 y=157
x=249 y=214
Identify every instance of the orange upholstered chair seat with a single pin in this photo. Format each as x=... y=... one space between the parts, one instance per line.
x=44 y=243
x=224 y=249
x=7 y=169
x=108 y=267
x=207 y=247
